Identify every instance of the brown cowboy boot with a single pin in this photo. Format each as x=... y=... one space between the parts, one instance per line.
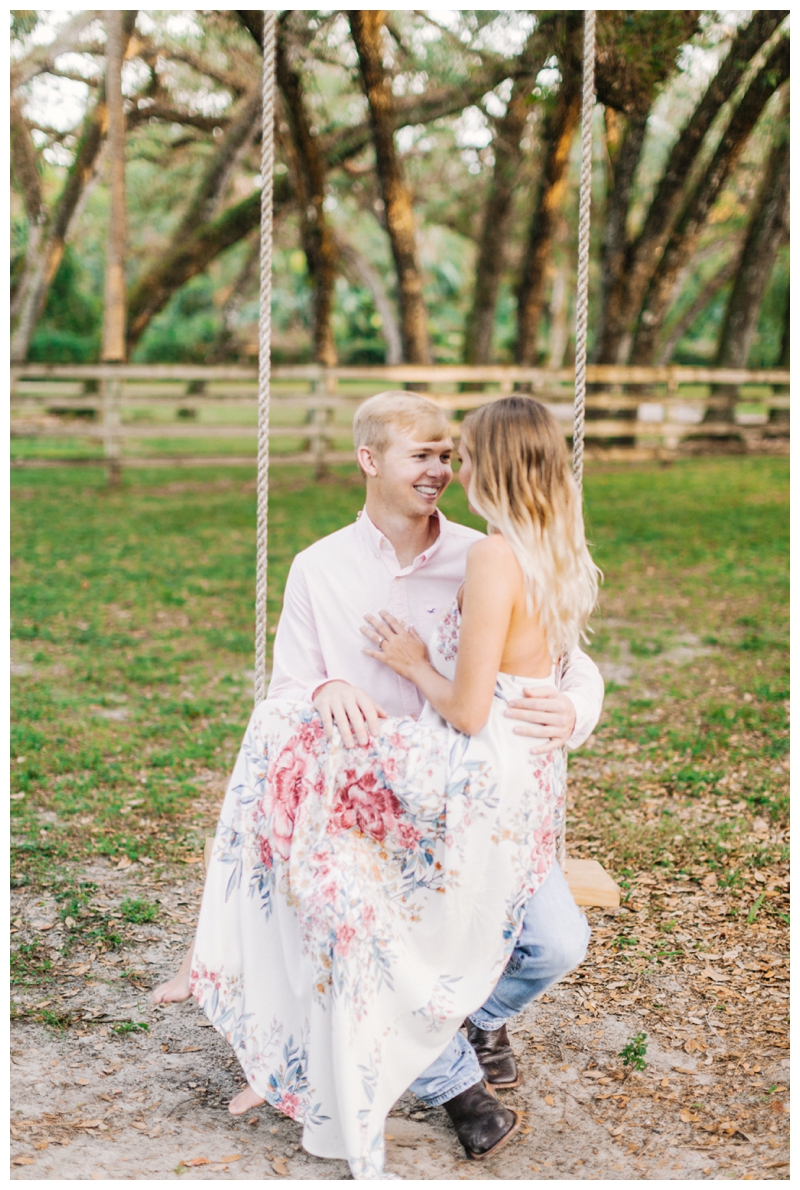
x=482 y=1123
x=495 y=1055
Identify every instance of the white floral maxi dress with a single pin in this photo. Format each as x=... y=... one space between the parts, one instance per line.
x=360 y=903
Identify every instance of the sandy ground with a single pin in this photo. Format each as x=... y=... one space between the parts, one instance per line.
x=90 y=1102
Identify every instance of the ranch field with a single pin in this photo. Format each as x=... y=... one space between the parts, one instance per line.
x=664 y=1056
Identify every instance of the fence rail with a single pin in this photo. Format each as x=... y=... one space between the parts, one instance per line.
x=632 y=412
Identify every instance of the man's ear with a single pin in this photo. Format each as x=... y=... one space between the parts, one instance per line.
x=366 y=460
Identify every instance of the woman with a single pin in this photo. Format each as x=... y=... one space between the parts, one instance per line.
x=360 y=903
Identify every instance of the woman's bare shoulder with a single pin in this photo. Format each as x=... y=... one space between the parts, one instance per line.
x=493 y=552
x=494 y=547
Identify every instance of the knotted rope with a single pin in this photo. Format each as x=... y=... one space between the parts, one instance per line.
x=264 y=337
x=582 y=301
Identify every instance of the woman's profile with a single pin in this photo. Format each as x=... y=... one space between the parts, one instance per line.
x=360 y=903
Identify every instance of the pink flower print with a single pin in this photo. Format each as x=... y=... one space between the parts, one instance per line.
x=289 y=1104
x=308 y=735
x=363 y=804
x=447 y=635
x=368 y=916
x=408 y=835
x=265 y=851
x=285 y=791
x=344 y=936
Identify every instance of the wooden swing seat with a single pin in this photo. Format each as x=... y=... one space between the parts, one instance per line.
x=590 y=884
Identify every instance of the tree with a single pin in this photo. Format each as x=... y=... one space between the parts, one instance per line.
x=45 y=253
x=767 y=229
x=686 y=232
x=366 y=26
x=492 y=246
x=114 y=307
x=625 y=291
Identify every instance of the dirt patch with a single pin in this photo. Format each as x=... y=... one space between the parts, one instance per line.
x=97 y=1095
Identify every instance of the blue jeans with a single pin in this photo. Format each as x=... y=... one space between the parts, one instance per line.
x=552 y=942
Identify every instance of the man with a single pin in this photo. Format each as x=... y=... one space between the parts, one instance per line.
x=402 y=555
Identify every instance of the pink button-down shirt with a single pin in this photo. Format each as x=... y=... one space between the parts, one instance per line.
x=334 y=583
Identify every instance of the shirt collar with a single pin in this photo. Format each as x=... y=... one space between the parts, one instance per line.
x=380 y=545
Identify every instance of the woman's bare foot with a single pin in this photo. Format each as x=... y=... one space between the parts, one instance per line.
x=176 y=989
x=244 y=1101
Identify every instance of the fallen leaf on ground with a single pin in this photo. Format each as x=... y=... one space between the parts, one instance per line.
x=232 y=1157
x=549 y=1100
x=22 y=1160
x=41 y=1144
x=124 y=863
x=195 y=1161
x=253 y=1120
x=688 y=1117
x=280 y=1167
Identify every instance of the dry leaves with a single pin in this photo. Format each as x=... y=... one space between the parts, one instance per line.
x=279 y=1166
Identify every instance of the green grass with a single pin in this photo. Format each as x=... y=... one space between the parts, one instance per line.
x=132 y=626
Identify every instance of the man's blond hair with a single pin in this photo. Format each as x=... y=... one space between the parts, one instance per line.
x=399 y=411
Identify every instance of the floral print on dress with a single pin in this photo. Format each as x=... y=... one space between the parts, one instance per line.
x=337 y=950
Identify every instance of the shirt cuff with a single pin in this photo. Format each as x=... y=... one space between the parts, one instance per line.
x=585 y=720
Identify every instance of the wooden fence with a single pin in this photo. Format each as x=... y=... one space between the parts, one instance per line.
x=632 y=413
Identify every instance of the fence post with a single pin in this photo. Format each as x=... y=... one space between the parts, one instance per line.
x=112 y=392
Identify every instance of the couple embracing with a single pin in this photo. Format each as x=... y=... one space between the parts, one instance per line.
x=384 y=868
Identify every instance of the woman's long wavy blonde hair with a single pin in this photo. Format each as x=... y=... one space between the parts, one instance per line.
x=522 y=484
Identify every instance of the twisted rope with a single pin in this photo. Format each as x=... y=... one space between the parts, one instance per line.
x=582 y=301
x=264 y=337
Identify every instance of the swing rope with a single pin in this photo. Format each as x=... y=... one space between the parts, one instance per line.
x=264 y=338
x=582 y=300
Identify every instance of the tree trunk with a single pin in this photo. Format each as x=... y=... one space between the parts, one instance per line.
x=497 y=212
x=559 y=302
x=703 y=299
x=40 y=270
x=358 y=265
x=686 y=233
x=558 y=133
x=308 y=176
x=221 y=348
x=366 y=27
x=26 y=174
x=190 y=255
x=626 y=294
x=622 y=169
x=114 y=306
x=765 y=233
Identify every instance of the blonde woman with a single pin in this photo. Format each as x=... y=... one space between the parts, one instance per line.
x=361 y=902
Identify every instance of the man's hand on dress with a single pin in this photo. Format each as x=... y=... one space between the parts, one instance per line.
x=545 y=715
x=351 y=709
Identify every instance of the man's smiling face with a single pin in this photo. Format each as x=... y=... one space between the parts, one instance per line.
x=411 y=475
